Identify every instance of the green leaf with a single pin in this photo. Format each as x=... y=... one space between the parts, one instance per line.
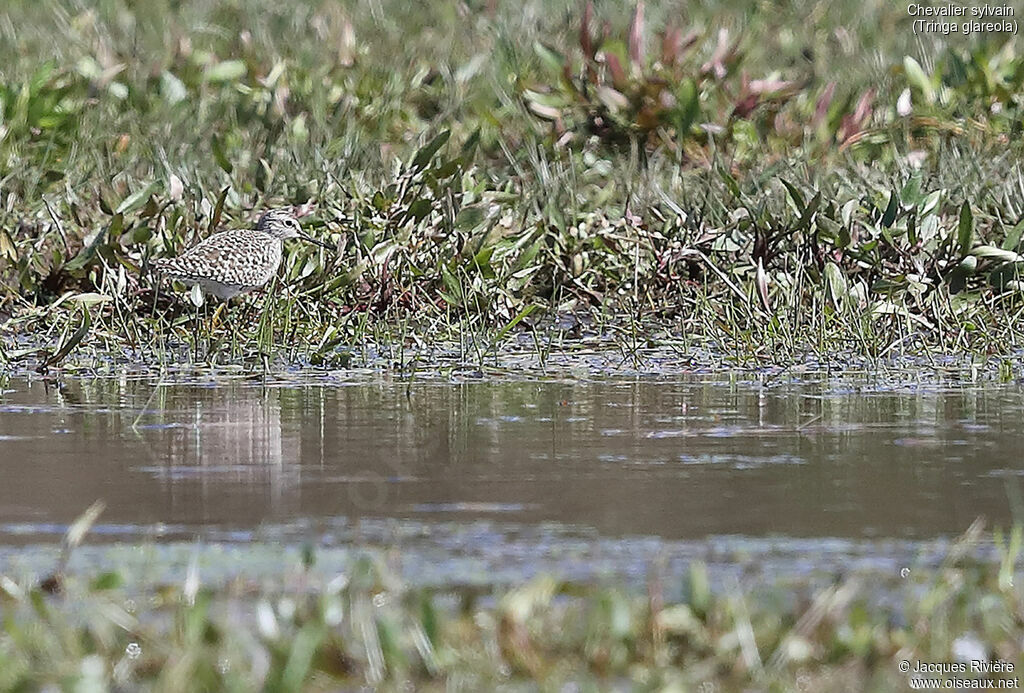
x=891 y=210
x=958 y=277
x=469 y=217
x=526 y=259
x=794 y=195
x=299 y=129
x=447 y=169
x=549 y=57
x=90 y=298
x=967 y=266
x=420 y=208
x=482 y=261
x=454 y=287
x=918 y=79
x=965 y=230
x=429 y=619
x=218 y=209
x=836 y=283
x=226 y=71
x=86 y=255
x=303 y=648
x=552 y=99
x=427 y=151
x=469 y=146
x=729 y=181
x=172 y=89
x=72 y=341
x=220 y=156
x=697 y=588
x=1003 y=277
x=512 y=323
x=930 y=204
x=108 y=580
x=911 y=192
x=990 y=251
x=1012 y=240
x=687 y=106
x=812 y=207
x=138 y=198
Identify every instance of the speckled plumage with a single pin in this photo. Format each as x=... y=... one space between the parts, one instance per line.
x=229 y=263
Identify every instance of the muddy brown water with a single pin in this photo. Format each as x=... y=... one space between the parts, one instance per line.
x=679 y=459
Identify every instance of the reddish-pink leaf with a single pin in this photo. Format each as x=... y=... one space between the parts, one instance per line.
x=745 y=105
x=545 y=112
x=690 y=39
x=716 y=64
x=615 y=67
x=863 y=111
x=824 y=101
x=769 y=86
x=853 y=123
x=585 y=41
x=671 y=45
x=636 y=35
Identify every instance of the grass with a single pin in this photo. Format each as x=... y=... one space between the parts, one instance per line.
x=312 y=630
x=762 y=180
x=769 y=181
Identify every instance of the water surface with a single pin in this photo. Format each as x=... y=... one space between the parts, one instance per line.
x=682 y=458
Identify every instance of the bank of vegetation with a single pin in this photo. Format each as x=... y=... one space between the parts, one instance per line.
x=759 y=180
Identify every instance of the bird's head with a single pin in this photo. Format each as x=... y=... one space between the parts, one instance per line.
x=281 y=223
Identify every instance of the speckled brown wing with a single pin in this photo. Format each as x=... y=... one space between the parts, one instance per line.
x=242 y=258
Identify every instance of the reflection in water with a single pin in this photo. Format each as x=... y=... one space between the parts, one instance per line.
x=684 y=458
x=226 y=432
x=233 y=435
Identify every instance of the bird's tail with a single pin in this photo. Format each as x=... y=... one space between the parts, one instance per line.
x=166 y=268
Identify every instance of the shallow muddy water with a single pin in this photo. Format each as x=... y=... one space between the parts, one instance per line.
x=680 y=459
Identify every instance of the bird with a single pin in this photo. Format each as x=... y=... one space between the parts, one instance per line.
x=236 y=261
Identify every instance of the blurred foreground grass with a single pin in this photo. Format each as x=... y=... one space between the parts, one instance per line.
x=364 y=628
x=760 y=178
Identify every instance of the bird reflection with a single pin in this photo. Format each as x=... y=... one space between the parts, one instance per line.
x=225 y=436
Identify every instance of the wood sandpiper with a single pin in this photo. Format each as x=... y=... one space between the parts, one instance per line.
x=232 y=262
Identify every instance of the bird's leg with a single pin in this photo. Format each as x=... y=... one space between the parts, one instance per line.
x=195 y=335
x=265 y=333
x=152 y=312
x=212 y=343
x=250 y=306
x=156 y=295
x=231 y=322
x=209 y=332
x=214 y=323
x=216 y=316
x=235 y=344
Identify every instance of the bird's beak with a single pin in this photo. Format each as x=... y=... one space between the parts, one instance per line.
x=317 y=242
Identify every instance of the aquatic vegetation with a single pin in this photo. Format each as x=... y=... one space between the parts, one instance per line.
x=363 y=627
x=617 y=93
x=762 y=181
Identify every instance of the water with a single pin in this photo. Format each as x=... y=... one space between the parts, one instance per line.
x=467 y=467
